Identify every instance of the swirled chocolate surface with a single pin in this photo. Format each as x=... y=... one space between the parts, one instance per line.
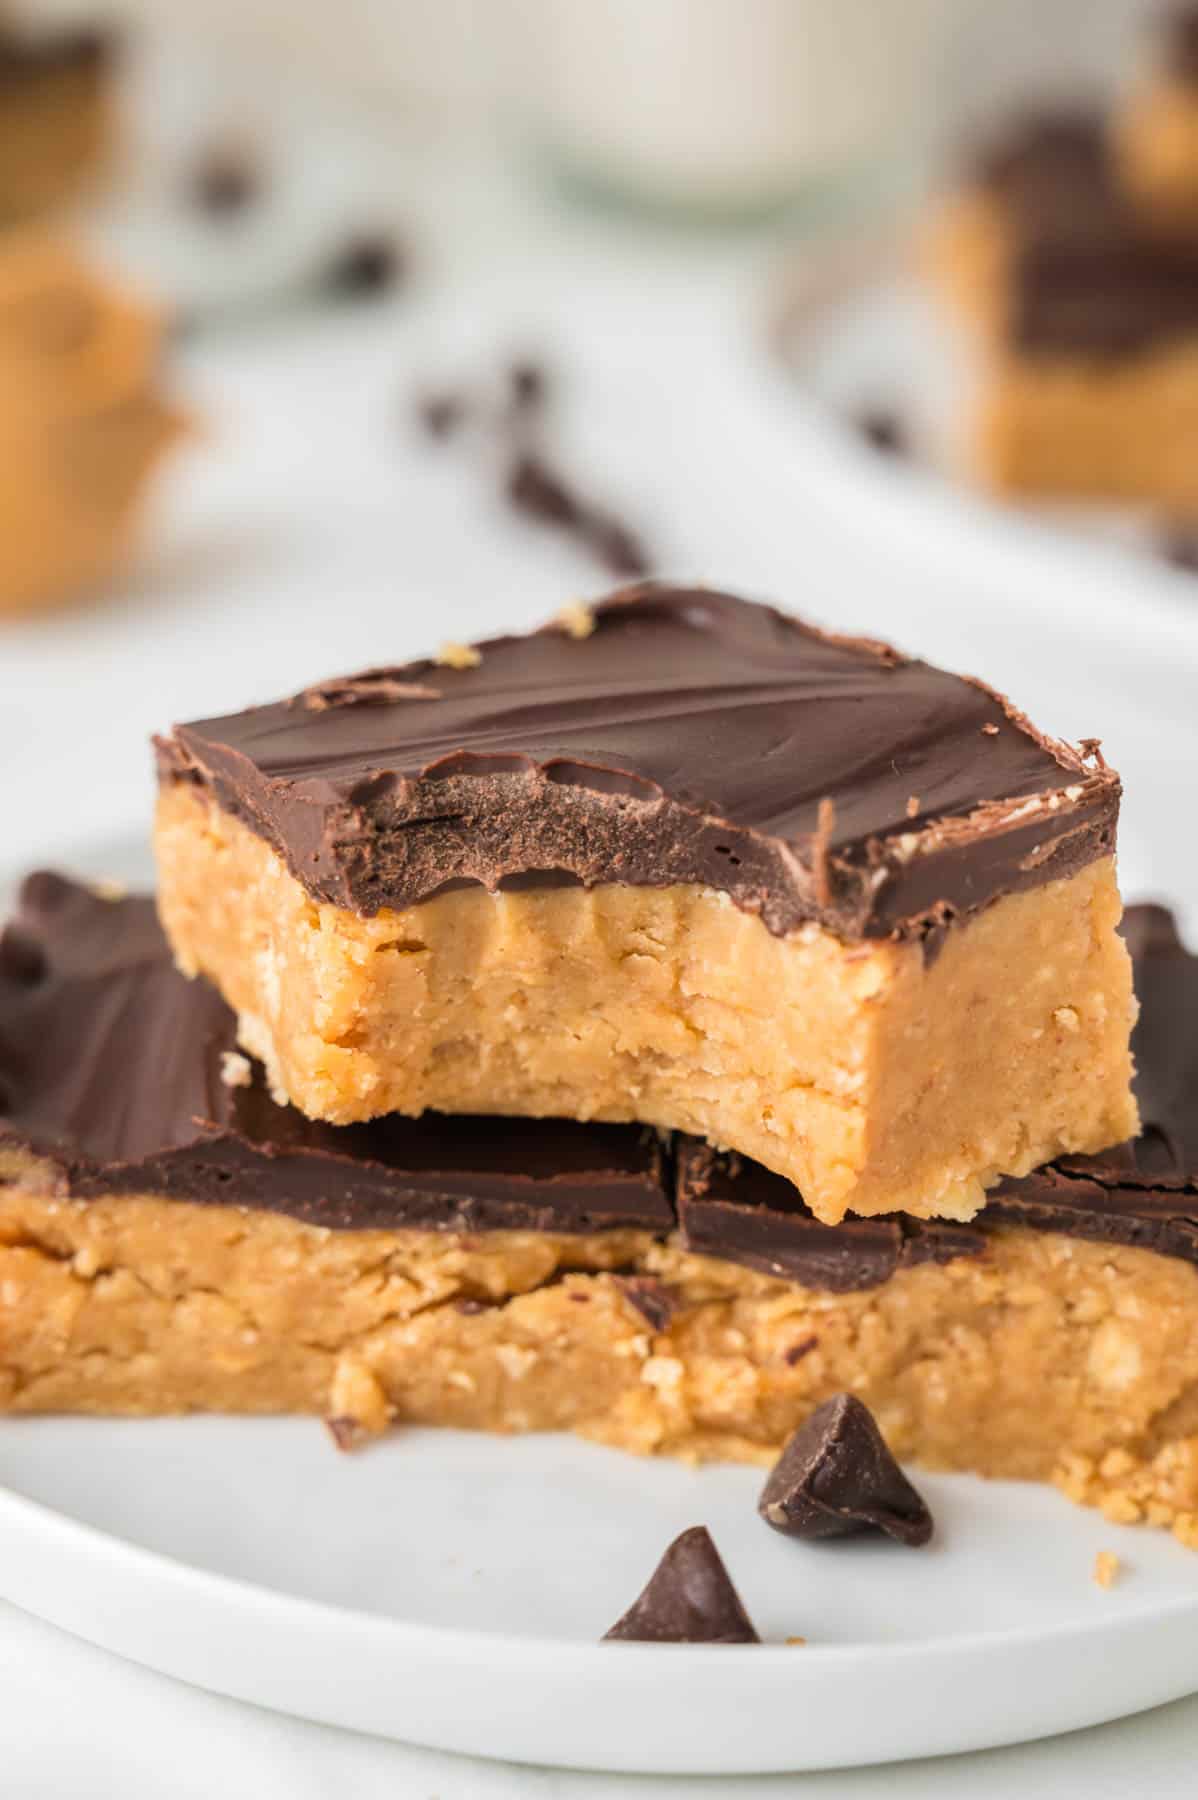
x=690 y=737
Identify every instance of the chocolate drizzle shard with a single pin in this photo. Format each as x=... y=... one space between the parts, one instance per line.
x=691 y=737
x=688 y=1599
x=836 y=1477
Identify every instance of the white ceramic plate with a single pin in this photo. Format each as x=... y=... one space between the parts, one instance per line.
x=450 y=1590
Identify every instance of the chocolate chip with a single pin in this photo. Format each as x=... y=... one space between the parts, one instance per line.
x=883 y=430
x=837 y=1476
x=688 y=1599
x=366 y=265
x=798 y=1351
x=655 y=1302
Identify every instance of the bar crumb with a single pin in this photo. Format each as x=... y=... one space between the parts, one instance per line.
x=235 y=1069
x=458 y=656
x=1106 y=1568
x=576 y=620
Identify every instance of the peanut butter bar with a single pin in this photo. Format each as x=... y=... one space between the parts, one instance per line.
x=698 y=865
x=172 y=1240
x=1083 y=320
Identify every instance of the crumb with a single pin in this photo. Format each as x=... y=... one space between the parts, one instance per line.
x=1106 y=1568
x=441 y=414
x=1066 y=1017
x=912 y=805
x=883 y=430
x=236 y=1070
x=224 y=182
x=990 y=730
x=109 y=890
x=529 y=384
x=347 y=1434
x=458 y=656
x=796 y=1640
x=366 y=265
x=1179 y=548
x=576 y=620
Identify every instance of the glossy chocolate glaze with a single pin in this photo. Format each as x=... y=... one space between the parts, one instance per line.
x=691 y=737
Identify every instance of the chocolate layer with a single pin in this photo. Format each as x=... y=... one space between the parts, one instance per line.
x=27 y=56
x=114 y=1068
x=691 y=737
x=1088 y=274
x=734 y=1208
x=116 y=1071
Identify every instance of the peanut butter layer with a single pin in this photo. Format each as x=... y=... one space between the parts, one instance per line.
x=873 y=1078
x=1047 y=1358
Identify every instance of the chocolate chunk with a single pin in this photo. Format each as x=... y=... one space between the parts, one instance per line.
x=688 y=1599
x=225 y=182
x=112 y=1065
x=655 y=1302
x=690 y=737
x=367 y=265
x=733 y=1208
x=836 y=1477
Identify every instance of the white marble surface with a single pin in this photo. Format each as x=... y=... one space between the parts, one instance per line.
x=312 y=531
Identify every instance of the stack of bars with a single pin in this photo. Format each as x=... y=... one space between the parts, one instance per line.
x=1069 y=255
x=524 y=1025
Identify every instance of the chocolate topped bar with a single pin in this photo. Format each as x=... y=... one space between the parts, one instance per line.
x=683 y=736
x=1088 y=273
x=125 y=1076
x=1143 y=1194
